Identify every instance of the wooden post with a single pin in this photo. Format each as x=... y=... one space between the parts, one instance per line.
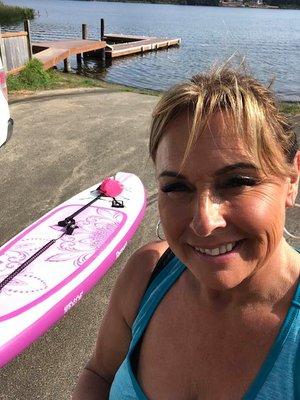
x=102 y=51
x=78 y=57
x=84 y=35
x=102 y=29
x=84 y=31
x=27 y=29
x=2 y=52
x=67 y=67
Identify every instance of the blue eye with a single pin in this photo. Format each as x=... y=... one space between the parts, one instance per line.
x=175 y=187
x=238 y=182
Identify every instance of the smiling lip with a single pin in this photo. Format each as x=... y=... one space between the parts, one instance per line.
x=220 y=253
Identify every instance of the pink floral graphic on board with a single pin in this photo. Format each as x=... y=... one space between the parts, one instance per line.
x=24 y=282
x=69 y=252
x=91 y=235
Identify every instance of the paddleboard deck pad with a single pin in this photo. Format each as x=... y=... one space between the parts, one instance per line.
x=57 y=279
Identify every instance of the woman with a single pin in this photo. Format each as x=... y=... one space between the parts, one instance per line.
x=220 y=318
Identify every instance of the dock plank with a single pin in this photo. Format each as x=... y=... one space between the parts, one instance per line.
x=73 y=46
x=119 y=37
x=140 y=46
x=50 y=53
x=51 y=56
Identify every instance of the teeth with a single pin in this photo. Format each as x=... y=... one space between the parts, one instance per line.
x=229 y=246
x=218 y=250
x=223 y=249
x=215 y=252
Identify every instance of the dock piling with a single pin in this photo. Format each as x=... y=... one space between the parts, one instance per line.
x=27 y=29
x=102 y=51
x=84 y=31
x=67 y=66
x=78 y=57
x=102 y=29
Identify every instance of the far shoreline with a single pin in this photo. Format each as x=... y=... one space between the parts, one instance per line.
x=170 y=2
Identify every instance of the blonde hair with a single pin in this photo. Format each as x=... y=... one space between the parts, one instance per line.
x=254 y=116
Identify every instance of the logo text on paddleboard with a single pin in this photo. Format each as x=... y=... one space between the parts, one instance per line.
x=119 y=252
x=73 y=302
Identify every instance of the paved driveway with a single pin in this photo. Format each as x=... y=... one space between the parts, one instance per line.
x=61 y=145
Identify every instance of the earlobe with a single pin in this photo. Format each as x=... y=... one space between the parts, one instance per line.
x=293 y=183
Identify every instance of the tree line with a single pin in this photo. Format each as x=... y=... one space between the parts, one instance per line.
x=279 y=3
x=283 y=2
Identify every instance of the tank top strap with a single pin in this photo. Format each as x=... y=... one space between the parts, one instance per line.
x=296 y=299
x=153 y=296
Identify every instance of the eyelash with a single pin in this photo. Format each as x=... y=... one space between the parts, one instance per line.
x=238 y=181
x=234 y=182
x=175 y=187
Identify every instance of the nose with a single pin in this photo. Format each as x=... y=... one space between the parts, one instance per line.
x=208 y=215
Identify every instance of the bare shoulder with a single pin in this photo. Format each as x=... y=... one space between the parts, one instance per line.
x=115 y=332
x=135 y=276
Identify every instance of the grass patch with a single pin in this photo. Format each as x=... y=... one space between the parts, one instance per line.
x=32 y=77
x=70 y=80
x=290 y=108
x=13 y=14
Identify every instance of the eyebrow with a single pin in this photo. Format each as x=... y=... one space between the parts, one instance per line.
x=171 y=174
x=232 y=167
x=224 y=170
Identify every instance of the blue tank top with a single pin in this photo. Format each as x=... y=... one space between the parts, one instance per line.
x=278 y=378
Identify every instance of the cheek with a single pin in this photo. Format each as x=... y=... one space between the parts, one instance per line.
x=173 y=215
x=262 y=212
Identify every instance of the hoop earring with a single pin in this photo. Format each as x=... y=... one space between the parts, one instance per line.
x=158 y=225
x=287 y=232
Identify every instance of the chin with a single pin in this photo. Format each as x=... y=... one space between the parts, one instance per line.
x=222 y=281
x=223 y=273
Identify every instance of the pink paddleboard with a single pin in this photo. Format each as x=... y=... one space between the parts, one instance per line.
x=58 y=278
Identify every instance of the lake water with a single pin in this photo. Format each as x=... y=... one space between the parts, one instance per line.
x=268 y=40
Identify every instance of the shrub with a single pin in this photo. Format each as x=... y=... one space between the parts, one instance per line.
x=12 y=14
x=32 y=77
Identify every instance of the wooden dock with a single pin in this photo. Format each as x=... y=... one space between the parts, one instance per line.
x=126 y=45
x=50 y=53
x=18 y=48
x=110 y=46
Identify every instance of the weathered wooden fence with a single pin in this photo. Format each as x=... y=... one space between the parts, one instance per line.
x=16 y=53
x=15 y=49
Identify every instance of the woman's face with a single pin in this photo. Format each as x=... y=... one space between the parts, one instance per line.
x=220 y=216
